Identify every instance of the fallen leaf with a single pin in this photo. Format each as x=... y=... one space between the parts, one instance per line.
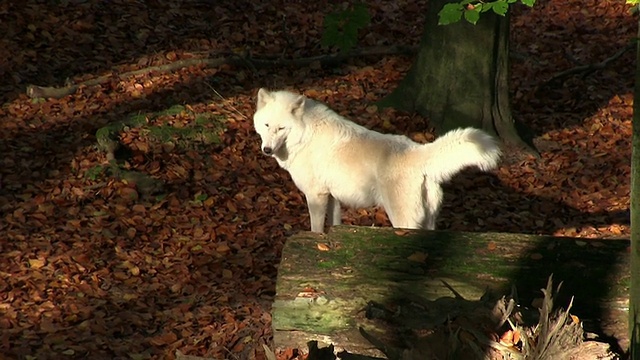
x=536 y=256
x=36 y=263
x=418 y=257
x=227 y=274
x=323 y=247
x=163 y=339
x=507 y=338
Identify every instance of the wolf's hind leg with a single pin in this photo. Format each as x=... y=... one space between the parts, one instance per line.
x=402 y=200
x=335 y=217
x=433 y=199
x=317 y=204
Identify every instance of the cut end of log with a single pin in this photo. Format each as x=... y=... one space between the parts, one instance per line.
x=36 y=92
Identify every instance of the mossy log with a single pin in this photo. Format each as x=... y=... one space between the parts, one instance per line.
x=326 y=281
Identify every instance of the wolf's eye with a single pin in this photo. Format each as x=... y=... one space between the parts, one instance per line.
x=266 y=125
x=281 y=128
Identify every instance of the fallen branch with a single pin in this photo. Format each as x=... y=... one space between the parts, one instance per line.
x=35 y=91
x=587 y=69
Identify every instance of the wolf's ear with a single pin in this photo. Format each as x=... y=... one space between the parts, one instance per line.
x=264 y=96
x=297 y=106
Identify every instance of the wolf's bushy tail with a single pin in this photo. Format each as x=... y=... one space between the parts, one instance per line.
x=458 y=149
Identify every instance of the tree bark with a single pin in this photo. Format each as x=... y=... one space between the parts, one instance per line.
x=461 y=77
x=634 y=295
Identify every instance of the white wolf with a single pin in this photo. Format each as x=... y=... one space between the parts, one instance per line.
x=333 y=160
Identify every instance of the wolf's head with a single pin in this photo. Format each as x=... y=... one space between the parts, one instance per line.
x=278 y=118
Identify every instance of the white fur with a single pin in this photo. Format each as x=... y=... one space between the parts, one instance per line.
x=333 y=160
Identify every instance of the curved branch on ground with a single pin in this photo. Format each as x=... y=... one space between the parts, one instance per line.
x=587 y=69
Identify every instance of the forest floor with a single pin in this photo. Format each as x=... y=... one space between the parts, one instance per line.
x=92 y=266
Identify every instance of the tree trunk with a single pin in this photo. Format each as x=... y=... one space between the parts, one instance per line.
x=634 y=296
x=461 y=77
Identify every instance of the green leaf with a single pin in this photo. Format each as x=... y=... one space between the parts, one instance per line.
x=174 y=110
x=201 y=197
x=341 y=27
x=136 y=120
x=531 y=2
x=472 y=16
x=500 y=8
x=359 y=16
x=486 y=7
x=331 y=21
x=450 y=13
x=330 y=32
x=94 y=172
x=633 y=2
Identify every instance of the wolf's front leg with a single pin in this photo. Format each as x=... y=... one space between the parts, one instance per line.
x=335 y=217
x=317 y=204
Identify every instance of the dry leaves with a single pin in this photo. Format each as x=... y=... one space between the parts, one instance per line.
x=97 y=266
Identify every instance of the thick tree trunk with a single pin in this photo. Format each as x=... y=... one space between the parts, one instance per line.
x=461 y=75
x=634 y=296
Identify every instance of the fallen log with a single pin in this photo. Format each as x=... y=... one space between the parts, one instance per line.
x=325 y=282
